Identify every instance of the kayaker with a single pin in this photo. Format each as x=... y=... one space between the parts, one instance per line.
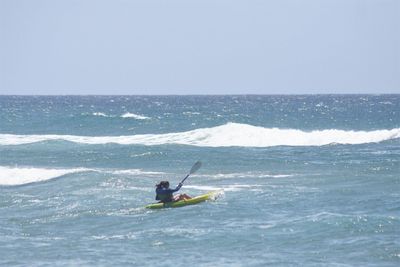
x=165 y=194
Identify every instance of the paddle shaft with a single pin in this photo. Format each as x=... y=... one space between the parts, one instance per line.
x=185 y=178
x=194 y=169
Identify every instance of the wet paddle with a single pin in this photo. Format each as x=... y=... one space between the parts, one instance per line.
x=194 y=169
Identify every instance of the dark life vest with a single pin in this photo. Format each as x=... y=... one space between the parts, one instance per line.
x=166 y=194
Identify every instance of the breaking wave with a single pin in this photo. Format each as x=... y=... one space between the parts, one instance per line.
x=100 y=114
x=125 y=115
x=19 y=176
x=230 y=134
x=135 y=116
x=12 y=176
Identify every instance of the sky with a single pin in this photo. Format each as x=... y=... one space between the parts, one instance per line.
x=163 y=47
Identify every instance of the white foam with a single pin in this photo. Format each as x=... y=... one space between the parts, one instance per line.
x=226 y=188
x=245 y=175
x=135 y=172
x=191 y=113
x=25 y=175
x=135 y=116
x=100 y=114
x=203 y=187
x=125 y=115
x=19 y=176
x=231 y=134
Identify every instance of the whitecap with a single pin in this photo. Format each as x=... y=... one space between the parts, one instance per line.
x=245 y=175
x=135 y=172
x=224 y=188
x=135 y=116
x=11 y=176
x=227 y=135
x=100 y=114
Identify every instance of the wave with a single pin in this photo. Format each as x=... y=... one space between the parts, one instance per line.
x=227 y=135
x=125 y=115
x=134 y=116
x=225 y=188
x=244 y=175
x=20 y=176
x=134 y=172
x=100 y=114
x=11 y=176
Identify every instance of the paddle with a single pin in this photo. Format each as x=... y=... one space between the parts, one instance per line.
x=194 y=169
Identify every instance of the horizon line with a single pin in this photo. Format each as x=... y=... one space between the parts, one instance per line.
x=283 y=94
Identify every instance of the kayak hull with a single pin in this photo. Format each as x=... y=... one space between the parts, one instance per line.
x=182 y=203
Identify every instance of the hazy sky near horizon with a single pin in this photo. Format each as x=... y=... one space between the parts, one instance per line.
x=199 y=46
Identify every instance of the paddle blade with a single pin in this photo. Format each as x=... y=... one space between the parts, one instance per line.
x=195 y=167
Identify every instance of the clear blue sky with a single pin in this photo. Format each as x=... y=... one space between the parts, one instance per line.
x=199 y=46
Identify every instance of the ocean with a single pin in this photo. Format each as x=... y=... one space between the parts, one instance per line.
x=304 y=180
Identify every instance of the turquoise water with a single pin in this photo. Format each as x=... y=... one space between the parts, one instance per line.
x=306 y=180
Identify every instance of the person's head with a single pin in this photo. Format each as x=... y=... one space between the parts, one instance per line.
x=163 y=184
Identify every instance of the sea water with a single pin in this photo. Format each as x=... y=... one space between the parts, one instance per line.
x=306 y=180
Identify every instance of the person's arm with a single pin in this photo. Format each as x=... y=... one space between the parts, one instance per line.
x=177 y=188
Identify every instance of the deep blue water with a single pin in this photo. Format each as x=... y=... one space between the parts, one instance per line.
x=307 y=180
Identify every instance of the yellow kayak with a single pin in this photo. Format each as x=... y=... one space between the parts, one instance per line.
x=181 y=203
